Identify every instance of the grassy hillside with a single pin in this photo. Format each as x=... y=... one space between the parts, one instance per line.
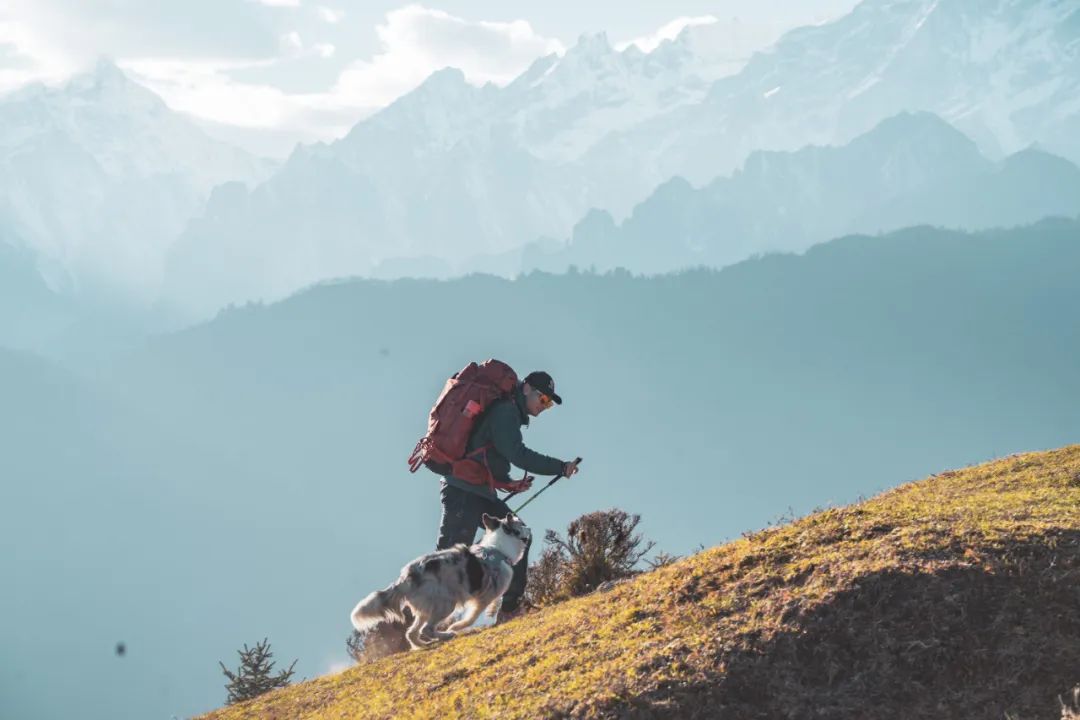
x=955 y=596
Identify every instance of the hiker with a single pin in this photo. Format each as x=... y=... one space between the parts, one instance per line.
x=473 y=437
x=469 y=489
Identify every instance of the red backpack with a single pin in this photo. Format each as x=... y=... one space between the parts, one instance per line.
x=464 y=398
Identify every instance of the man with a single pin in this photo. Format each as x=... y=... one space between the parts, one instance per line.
x=464 y=504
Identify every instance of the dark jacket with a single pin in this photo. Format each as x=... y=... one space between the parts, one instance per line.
x=500 y=428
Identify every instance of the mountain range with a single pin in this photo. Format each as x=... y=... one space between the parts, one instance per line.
x=911 y=169
x=1006 y=73
x=118 y=196
x=452 y=173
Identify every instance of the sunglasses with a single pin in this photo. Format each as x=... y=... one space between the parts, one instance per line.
x=545 y=401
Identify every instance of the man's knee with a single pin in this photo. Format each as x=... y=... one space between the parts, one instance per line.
x=449 y=537
x=455 y=528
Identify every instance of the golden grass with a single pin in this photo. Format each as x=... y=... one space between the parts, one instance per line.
x=955 y=596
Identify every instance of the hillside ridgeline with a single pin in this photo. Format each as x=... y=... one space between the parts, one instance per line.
x=953 y=597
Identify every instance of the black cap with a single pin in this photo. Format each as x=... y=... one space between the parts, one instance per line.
x=541 y=381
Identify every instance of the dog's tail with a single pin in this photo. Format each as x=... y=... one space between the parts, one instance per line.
x=381 y=605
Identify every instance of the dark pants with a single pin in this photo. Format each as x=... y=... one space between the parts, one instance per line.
x=461 y=518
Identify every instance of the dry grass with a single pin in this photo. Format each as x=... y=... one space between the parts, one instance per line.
x=957 y=596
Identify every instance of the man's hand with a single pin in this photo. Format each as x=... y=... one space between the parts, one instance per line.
x=520 y=486
x=570 y=468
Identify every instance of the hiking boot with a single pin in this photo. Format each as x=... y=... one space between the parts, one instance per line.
x=506 y=615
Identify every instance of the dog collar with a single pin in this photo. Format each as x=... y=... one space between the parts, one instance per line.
x=490 y=555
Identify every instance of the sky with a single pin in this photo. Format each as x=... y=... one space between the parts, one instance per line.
x=269 y=73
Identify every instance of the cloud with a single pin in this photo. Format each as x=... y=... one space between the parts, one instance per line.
x=63 y=37
x=416 y=41
x=291 y=44
x=330 y=15
x=279 y=3
x=204 y=88
x=12 y=56
x=247 y=84
x=27 y=55
x=669 y=31
x=293 y=47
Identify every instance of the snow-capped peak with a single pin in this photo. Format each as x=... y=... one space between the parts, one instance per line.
x=446 y=80
x=106 y=75
x=591 y=45
x=99 y=176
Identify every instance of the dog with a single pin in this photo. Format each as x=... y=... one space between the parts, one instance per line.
x=436 y=584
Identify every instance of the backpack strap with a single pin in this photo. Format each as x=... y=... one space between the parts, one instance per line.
x=473 y=468
x=427 y=453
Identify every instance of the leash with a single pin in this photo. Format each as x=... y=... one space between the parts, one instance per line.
x=537 y=493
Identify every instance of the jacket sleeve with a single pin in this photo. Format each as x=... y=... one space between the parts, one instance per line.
x=506 y=437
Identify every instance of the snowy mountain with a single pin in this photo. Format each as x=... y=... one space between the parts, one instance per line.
x=562 y=106
x=97 y=177
x=1006 y=73
x=911 y=169
x=448 y=172
x=452 y=173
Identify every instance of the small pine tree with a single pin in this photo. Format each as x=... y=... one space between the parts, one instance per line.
x=253 y=677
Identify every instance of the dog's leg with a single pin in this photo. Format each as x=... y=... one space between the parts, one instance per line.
x=413 y=635
x=429 y=611
x=472 y=611
x=492 y=609
x=439 y=611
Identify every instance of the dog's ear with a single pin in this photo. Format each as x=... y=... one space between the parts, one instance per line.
x=490 y=523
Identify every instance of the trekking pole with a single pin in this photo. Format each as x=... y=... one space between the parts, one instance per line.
x=537 y=493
